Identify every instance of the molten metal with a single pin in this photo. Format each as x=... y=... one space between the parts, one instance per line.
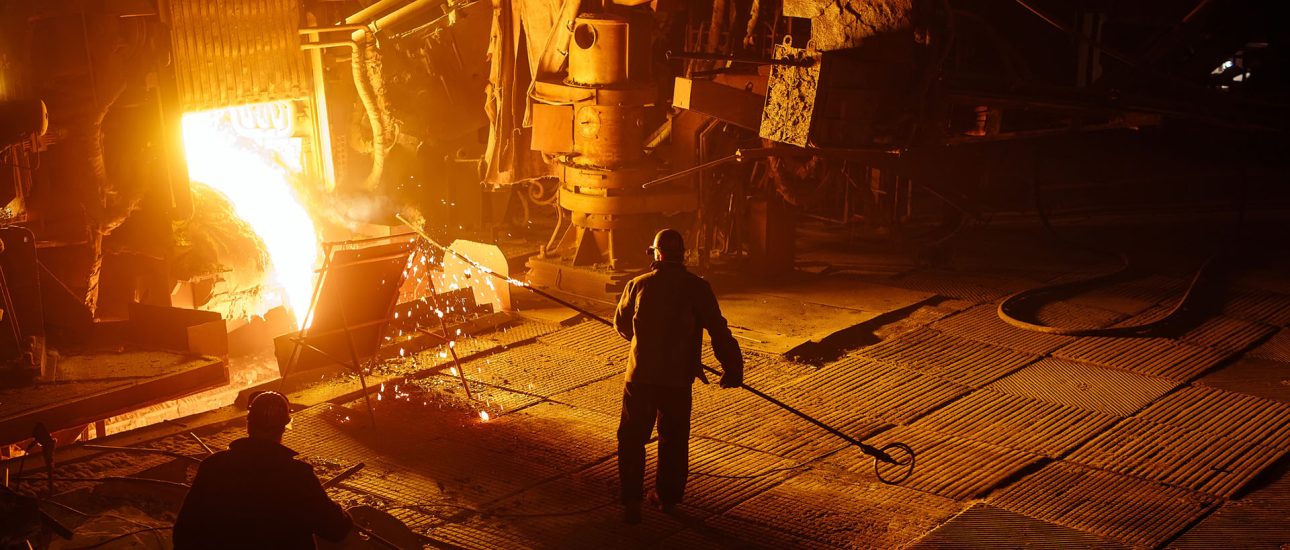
x=246 y=153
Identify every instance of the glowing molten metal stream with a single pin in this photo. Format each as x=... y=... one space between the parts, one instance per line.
x=252 y=165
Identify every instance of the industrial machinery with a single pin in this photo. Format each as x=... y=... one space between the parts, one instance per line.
x=591 y=122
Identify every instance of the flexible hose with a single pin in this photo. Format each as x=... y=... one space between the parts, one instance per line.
x=1014 y=301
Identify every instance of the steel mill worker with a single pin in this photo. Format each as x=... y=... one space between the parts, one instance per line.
x=256 y=495
x=663 y=313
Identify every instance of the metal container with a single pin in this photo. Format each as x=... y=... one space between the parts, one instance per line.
x=598 y=51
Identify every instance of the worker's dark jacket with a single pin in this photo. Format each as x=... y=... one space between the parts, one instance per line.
x=256 y=495
x=664 y=313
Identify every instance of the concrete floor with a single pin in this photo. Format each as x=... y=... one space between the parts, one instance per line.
x=1022 y=439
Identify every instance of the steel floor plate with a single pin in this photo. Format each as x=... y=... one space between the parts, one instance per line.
x=1118 y=507
x=1223 y=413
x=571 y=511
x=982 y=323
x=748 y=534
x=752 y=422
x=958 y=360
x=554 y=434
x=945 y=465
x=1260 y=519
x=1188 y=459
x=1016 y=422
x=1160 y=357
x=1276 y=348
x=1071 y=315
x=870 y=389
x=1269 y=308
x=541 y=369
x=845 y=514
x=602 y=396
x=984 y=526
x=1227 y=333
x=1086 y=387
x=591 y=338
x=721 y=475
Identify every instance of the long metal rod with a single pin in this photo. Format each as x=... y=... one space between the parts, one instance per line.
x=867 y=449
x=144 y=450
x=358 y=366
x=447 y=339
x=706 y=56
x=482 y=268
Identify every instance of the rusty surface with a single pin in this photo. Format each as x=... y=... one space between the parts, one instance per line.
x=1084 y=386
x=1094 y=501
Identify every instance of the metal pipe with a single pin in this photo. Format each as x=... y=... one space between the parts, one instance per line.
x=324 y=45
x=366 y=14
x=337 y=28
x=706 y=56
x=394 y=17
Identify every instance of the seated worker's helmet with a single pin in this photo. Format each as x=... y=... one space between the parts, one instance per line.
x=270 y=413
x=670 y=243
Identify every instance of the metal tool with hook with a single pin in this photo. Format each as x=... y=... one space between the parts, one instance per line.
x=893 y=463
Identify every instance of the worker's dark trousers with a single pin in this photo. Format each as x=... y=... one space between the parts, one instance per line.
x=642 y=404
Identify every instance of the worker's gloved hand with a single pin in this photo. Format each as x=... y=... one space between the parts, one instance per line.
x=731 y=380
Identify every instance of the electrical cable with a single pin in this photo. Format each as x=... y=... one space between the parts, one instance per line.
x=1010 y=304
x=121 y=536
x=105 y=479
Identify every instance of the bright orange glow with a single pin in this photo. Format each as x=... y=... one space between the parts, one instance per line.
x=247 y=154
x=483 y=415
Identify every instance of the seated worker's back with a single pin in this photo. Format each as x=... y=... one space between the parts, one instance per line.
x=257 y=495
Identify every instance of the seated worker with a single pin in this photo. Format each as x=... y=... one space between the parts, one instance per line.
x=256 y=495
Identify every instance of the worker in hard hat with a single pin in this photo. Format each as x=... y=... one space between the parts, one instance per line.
x=664 y=313
x=255 y=494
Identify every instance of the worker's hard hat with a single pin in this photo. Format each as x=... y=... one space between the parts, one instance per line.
x=270 y=411
x=670 y=242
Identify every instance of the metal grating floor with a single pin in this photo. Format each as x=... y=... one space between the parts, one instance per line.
x=1227 y=333
x=984 y=526
x=721 y=475
x=1224 y=413
x=1269 y=308
x=1084 y=386
x=470 y=345
x=1126 y=509
x=870 y=389
x=554 y=434
x=1276 y=348
x=591 y=338
x=945 y=465
x=958 y=360
x=603 y=396
x=1184 y=458
x=982 y=323
x=1070 y=315
x=1160 y=357
x=844 y=514
x=752 y=422
x=1016 y=422
x=756 y=535
x=541 y=369
x=572 y=511
x=1112 y=299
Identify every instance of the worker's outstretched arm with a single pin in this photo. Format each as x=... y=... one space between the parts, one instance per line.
x=724 y=346
x=625 y=311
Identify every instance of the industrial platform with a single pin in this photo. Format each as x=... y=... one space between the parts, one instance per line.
x=1023 y=439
